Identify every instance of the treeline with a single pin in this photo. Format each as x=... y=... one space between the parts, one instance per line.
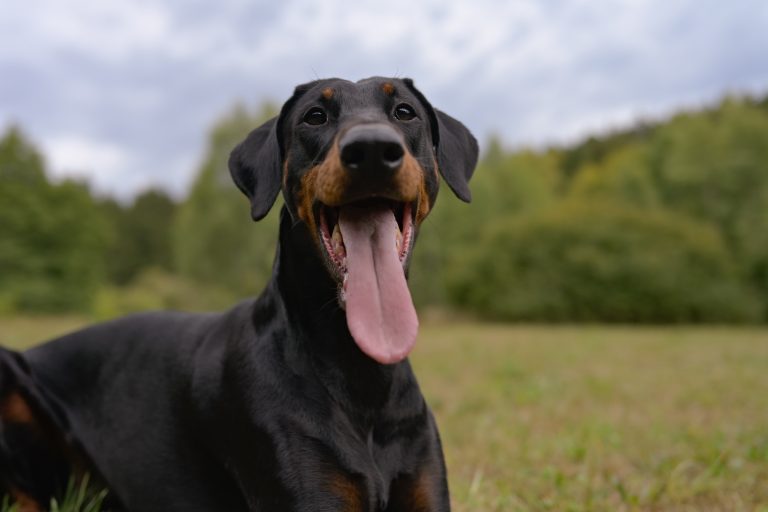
x=664 y=222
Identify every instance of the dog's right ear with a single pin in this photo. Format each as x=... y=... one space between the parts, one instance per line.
x=256 y=164
x=255 y=167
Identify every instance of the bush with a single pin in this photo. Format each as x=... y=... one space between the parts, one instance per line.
x=52 y=245
x=602 y=262
x=504 y=184
x=156 y=289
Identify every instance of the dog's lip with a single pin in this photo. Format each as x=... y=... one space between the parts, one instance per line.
x=332 y=241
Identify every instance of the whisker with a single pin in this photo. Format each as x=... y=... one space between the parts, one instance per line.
x=330 y=303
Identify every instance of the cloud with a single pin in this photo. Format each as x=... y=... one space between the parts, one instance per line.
x=79 y=156
x=125 y=91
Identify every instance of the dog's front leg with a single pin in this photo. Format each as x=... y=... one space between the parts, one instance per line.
x=424 y=492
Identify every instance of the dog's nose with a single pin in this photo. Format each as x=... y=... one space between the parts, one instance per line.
x=372 y=147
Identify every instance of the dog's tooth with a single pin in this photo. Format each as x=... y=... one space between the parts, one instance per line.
x=343 y=298
x=338 y=242
x=398 y=240
x=340 y=250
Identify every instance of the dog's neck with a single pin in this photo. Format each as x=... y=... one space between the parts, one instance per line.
x=307 y=295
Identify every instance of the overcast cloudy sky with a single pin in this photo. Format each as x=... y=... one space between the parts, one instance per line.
x=123 y=91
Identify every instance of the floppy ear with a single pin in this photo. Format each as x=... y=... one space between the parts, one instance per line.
x=455 y=147
x=255 y=167
x=256 y=163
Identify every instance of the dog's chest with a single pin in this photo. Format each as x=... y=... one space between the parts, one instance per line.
x=355 y=469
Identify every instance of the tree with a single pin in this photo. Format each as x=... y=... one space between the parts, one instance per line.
x=603 y=262
x=714 y=166
x=141 y=235
x=623 y=176
x=505 y=184
x=215 y=241
x=51 y=236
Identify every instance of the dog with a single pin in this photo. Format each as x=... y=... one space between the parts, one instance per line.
x=300 y=400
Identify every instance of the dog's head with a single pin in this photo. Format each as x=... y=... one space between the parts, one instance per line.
x=358 y=164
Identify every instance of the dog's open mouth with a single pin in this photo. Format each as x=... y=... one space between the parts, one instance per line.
x=367 y=245
x=333 y=238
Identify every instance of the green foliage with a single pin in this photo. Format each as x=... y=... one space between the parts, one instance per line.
x=78 y=497
x=714 y=166
x=591 y=262
x=595 y=149
x=157 y=289
x=704 y=173
x=665 y=221
x=19 y=160
x=7 y=506
x=215 y=241
x=140 y=235
x=508 y=183
x=51 y=235
x=623 y=176
x=504 y=185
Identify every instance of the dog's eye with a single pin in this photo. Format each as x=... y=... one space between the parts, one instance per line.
x=315 y=116
x=404 y=112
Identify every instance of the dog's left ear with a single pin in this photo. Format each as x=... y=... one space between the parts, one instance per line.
x=455 y=147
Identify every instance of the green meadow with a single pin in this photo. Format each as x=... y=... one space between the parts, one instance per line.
x=584 y=418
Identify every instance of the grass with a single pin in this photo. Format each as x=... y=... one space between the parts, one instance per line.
x=537 y=418
x=78 y=497
x=19 y=332
x=600 y=418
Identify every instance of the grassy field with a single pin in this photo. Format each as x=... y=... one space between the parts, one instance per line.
x=585 y=418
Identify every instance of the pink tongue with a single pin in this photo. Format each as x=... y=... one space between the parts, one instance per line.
x=380 y=312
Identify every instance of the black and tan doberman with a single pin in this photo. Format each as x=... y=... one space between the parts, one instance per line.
x=299 y=400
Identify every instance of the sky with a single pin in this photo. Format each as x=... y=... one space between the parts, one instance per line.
x=123 y=93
